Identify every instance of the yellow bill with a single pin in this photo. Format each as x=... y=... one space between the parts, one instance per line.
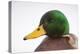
x=36 y=33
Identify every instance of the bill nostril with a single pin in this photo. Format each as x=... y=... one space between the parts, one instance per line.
x=38 y=29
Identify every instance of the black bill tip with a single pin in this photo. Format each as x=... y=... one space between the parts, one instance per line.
x=24 y=39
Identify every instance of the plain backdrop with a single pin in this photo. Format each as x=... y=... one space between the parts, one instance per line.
x=26 y=17
x=4 y=28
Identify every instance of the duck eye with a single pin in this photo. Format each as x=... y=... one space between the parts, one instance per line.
x=38 y=29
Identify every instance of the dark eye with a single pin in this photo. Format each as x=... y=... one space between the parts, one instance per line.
x=38 y=29
x=49 y=19
x=52 y=21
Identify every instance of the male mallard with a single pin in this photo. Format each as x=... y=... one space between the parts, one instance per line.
x=54 y=24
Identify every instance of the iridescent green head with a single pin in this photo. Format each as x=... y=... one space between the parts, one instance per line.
x=55 y=23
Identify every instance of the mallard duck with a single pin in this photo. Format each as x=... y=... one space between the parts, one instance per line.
x=54 y=24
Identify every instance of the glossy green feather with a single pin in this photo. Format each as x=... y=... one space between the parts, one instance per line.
x=55 y=23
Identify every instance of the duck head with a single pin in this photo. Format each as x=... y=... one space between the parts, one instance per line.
x=53 y=23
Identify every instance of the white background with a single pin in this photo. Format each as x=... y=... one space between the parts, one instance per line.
x=26 y=17
x=4 y=28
